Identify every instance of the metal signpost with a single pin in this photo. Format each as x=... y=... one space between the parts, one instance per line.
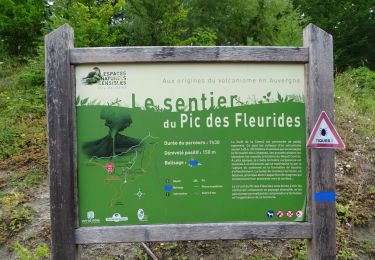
x=189 y=143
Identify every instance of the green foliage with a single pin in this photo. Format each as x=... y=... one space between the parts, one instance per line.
x=15 y=214
x=277 y=23
x=31 y=78
x=247 y=22
x=140 y=255
x=344 y=245
x=194 y=22
x=152 y=22
x=9 y=140
x=285 y=99
x=40 y=252
x=91 y=20
x=266 y=98
x=352 y=25
x=30 y=101
x=260 y=256
x=19 y=219
x=201 y=37
x=21 y=114
x=9 y=70
x=360 y=84
x=354 y=114
x=343 y=213
x=81 y=102
x=280 y=99
x=32 y=74
x=297 y=249
x=87 y=102
x=364 y=78
x=368 y=248
x=24 y=179
x=289 y=29
x=21 y=24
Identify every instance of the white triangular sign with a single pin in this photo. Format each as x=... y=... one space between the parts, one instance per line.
x=324 y=134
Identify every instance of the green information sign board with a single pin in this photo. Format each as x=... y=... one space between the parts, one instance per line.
x=190 y=143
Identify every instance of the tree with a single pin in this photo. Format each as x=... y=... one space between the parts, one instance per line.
x=91 y=20
x=248 y=22
x=231 y=20
x=277 y=23
x=352 y=25
x=21 y=24
x=201 y=36
x=152 y=22
x=180 y=22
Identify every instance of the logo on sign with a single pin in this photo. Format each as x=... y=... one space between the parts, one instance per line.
x=299 y=213
x=90 y=215
x=280 y=214
x=289 y=214
x=110 y=167
x=105 y=78
x=116 y=218
x=270 y=214
x=93 y=77
x=90 y=218
x=140 y=214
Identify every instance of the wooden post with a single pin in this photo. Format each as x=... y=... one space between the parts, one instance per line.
x=321 y=165
x=61 y=158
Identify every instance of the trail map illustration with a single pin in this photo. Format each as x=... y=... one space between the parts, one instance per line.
x=190 y=143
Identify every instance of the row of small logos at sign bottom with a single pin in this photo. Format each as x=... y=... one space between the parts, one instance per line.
x=116 y=217
x=288 y=213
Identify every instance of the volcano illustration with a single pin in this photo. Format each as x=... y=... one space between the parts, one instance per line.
x=117 y=119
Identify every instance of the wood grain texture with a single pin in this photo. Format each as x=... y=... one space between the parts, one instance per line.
x=60 y=124
x=188 y=54
x=73 y=131
x=175 y=232
x=319 y=97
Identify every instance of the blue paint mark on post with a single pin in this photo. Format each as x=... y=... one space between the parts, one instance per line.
x=193 y=163
x=168 y=188
x=325 y=196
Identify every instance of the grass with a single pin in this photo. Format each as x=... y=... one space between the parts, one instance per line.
x=22 y=113
x=23 y=158
x=15 y=215
x=25 y=179
x=355 y=166
x=40 y=252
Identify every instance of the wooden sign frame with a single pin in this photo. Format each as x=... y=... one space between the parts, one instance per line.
x=61 y=58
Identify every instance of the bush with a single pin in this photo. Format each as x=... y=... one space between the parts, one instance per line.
x=16 y=214
x=33 y=73
x=364 y=77
x=31 y=78
x=355 y=90
x=40 y=252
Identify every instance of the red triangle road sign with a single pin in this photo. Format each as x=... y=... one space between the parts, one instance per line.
x=324 y=134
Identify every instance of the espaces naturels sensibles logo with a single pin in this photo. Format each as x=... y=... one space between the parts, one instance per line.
x=105 y=78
